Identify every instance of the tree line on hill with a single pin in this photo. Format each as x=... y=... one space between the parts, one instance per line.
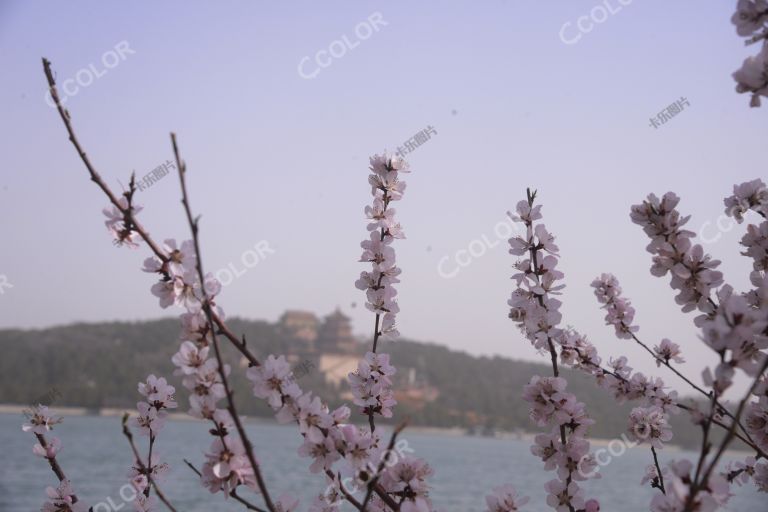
x=99 y=365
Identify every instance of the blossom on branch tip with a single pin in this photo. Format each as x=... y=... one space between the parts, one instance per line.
x=120 y=224
x=62 y=499
x=505 y=499
x=649 y=424
x=41 y=421
x=667 y=351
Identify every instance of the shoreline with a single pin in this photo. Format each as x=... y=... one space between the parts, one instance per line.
x=521 y=435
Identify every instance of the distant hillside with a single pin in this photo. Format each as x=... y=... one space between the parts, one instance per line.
x=98 y=365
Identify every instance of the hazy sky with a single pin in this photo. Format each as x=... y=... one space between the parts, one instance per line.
x=279 y=158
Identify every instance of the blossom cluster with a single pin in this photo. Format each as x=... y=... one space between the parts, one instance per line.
x=751 y=20
x=159 y=397
x=693 y=273
x=226 y=462
x=740 y=473
x=714 y=494
x=329 y=438
x=649 y=424
x=733 y=325
x=61 y=498
x=505 y=499
x=121 y=221
x=372 y=385
x=756 y=417
x=534 y=309
x=386 y=187
x=179 y=281
x=336 y=446
x=619 y=311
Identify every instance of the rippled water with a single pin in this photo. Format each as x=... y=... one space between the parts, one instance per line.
x=96 y=458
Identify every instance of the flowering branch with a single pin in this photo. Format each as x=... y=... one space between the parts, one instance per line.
x=698 y=484
x=538 y=316
x=751 y=20
x=143 y=469
x=206 y=305
x=380 y=468
x=63 y=497
x=620 y=314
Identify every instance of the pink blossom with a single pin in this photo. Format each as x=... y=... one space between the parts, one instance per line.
x=505 y=499
x=561 y=495
x=189 y=359
x=620 y=312
x=62 y=499
x=145 y=503
x=649 y=424
x=52 y=447
x=123 y=233
x=158 y=393
x=752 y=77
x=313 y=417
x=750 y=195
x=750 y=16
x=273 y=381
x=408 y=476
x=667 y=351
x=322 y=449
x=227 y=466
x=42 y=420
x=150 y=420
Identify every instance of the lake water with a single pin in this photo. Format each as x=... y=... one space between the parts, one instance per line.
x=96 y=457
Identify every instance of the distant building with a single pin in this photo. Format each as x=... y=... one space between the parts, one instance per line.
x=300 y=325
x=330 y=342
x=335 y=335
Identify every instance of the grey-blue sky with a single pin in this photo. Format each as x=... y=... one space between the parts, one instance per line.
x=279 y=158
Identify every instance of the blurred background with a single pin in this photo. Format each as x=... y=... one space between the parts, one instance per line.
x=277 y=107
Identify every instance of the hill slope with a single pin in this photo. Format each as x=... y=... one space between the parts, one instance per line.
x=98 y=365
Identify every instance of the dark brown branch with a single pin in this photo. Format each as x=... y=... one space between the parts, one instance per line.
x=95 y=176
x=206 y=304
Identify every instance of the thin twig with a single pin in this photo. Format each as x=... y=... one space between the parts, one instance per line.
x=699 y=483
x=206 y=304
x=533 y=267
x=95 y=176
x=55 y=467
x=658 y=470
x=238 y=343
x=144 y=468
x=375 y=479
x=193 y=468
